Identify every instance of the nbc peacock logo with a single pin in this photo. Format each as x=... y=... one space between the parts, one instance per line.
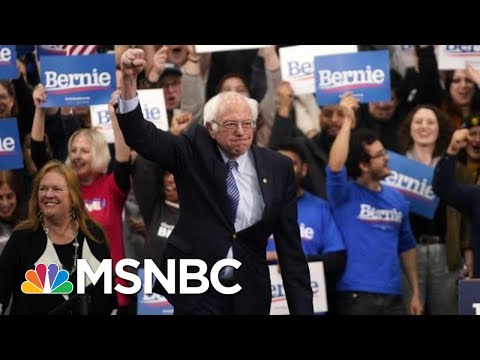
x=47 y=280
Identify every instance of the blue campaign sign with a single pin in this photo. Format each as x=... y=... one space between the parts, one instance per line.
x=10 y=148
x=78 y=80
x=366 y=74
x=414 y=180
x=469 y=297
x=153 y=304
x=8 y=62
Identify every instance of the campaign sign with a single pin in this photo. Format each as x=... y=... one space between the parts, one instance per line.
x=102 y=122
x=296 y=64
x=414 y=180
x=366 y=74
x=8 y=62
x=406 y=54
x=453 y=57
x=10 y=148
x=154 y=304
x=78 y=80
x=317 y=281
x=152 y=102
x=469 y=297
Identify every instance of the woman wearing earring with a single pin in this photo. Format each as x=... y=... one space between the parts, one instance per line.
x=58 y=230
x=104 y=193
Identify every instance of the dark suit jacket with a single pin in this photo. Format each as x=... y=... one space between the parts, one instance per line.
x=203 y=230
x=23 y=249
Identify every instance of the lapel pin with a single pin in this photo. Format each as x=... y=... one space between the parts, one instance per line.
x=265 y=180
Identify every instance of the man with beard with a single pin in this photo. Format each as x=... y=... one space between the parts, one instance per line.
x=470 y=155
x=373 y=220
x=316 y=147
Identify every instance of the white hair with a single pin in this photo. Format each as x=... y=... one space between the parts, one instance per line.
x=100 y=152
x=212 y=107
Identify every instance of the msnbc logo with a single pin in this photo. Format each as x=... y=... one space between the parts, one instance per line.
x=47 y=280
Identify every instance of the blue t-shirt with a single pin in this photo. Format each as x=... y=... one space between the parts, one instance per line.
x=318 y=230
x=375 y=229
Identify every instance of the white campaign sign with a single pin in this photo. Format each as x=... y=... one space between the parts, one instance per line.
x=101 y=120
x=406 y=55
x=317 y=280
x=451 y=57
x=297 y=64
x=152 y=102
x=216 y=48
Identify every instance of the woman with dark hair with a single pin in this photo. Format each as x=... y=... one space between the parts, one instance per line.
x=463 y=96
x=58 y=230
x=8 y=105
x=443 y=241
x=16 y=101
x=11 y=197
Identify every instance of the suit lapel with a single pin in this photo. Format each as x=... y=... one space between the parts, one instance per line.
x=219 y=174
x=265 y=177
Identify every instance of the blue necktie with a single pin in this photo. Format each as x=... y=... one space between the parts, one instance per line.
x=232 y=190
x=233 y=196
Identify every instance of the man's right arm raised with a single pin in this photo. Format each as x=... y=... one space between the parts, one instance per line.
x=142 y=135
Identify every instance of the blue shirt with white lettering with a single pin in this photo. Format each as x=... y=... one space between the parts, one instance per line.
x=318 y=230
x=375 y=229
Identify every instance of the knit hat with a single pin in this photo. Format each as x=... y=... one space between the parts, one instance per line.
x=471 y=121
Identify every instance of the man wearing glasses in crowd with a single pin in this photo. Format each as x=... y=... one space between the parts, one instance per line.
x=373 y=220
x=233 y=196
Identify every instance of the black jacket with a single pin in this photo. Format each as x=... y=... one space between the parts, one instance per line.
x=205 y=232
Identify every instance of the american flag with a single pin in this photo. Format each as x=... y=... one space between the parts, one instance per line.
x=81 y=49
x=67 y=49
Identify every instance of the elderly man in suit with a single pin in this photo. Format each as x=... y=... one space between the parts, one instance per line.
x=233 y=196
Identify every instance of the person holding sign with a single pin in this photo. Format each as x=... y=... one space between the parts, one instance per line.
x=443 y=240
x=317 y=148
x=183 y=86
x=374 y=223
x=233 y=196
x=465 y=198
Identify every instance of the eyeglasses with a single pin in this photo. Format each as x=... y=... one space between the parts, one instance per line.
x=231 y=125
x=382 y=154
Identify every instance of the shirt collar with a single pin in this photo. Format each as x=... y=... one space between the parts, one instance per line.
x=241 y=160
